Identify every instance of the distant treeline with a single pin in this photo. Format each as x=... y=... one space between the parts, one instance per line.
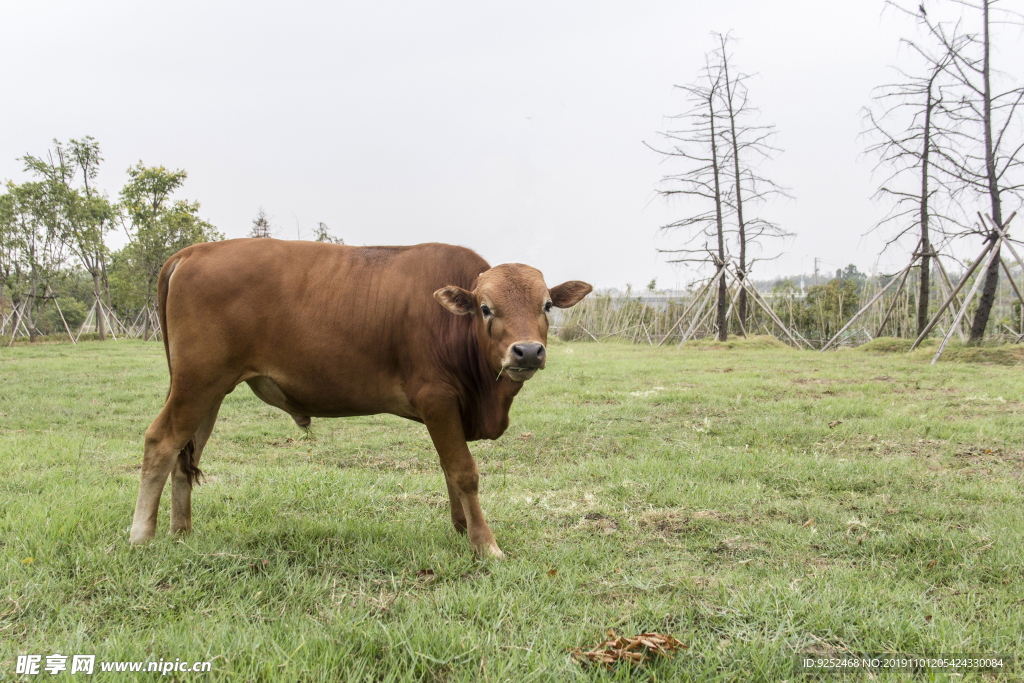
x=54 y=233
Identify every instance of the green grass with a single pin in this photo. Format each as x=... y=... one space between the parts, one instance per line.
x=755 y=502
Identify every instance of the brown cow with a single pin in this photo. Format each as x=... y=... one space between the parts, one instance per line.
x=325 y=330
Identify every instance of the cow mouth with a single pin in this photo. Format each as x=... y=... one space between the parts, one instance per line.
x=518 y=374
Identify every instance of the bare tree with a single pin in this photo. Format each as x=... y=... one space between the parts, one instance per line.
x=747 y=145
x=722 y=150
x=907 y=131
x=986 y=160
x=261 y=227
x=698 y=145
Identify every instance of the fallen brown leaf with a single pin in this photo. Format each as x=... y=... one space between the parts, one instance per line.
x=809 y=522
x=931 y=564
x=426 y=574
x=635 y=650
x=552 y=572
x=834 y=423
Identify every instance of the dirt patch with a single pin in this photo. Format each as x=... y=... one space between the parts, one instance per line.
x=814 y=380
x=597 y=523
x=922 y=448
x=988 y=455
x=663 y=522
x=736 y=546
x=386 y=464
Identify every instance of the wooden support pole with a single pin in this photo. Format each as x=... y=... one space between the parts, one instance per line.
x=947 y=287
x=106 y=318
x=896 y=296
x=85 y=323
x=710 y=291
x=1001 y=229
x=901 y=278
x=682 y=317
x=989 y=244
x=1009 y=277
x=20 y=313
x=756 y=296
x=734 y=305
x=970 y=297
x=61 y=314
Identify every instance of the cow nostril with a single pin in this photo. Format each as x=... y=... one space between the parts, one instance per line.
x=540 y=352
x=518 y=351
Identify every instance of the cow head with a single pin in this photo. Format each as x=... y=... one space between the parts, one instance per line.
x=512 y=306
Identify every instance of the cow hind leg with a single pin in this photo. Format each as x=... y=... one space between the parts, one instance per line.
x=186 y=473
x=171 y=432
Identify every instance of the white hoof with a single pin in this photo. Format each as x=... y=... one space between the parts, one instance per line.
x=139 y=536
x=492 y=551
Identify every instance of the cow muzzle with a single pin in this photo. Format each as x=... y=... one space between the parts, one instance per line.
x=523 y=360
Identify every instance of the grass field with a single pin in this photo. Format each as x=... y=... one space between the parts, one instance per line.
x=753 y=501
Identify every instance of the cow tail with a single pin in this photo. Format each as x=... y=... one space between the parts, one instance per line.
x=162 y=285
x=187 y=455
x=187 y=463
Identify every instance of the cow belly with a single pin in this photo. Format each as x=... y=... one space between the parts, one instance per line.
x=302 y=403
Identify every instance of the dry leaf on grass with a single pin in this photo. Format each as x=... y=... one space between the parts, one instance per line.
x=635 y=650
x=834 y=423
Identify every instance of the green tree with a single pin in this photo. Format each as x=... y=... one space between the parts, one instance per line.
x=833 y=303
x=83 y=216
x=323 y=234
x=33 y=249
x=158 y=226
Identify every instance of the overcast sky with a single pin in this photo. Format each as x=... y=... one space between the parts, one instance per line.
x=515 y=129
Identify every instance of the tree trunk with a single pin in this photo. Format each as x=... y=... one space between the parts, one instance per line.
x=742 y=304
x=145 y=322
x=723 y=304
x=988 y=293
x=988 y=298
x=924 y=292
x=31 y=302
x=99 y=309
x=106 y=282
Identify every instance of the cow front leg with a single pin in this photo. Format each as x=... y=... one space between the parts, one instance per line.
x=457 y=511
x=462 y=478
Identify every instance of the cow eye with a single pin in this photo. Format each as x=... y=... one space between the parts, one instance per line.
x=547 y=307
x=486 y=310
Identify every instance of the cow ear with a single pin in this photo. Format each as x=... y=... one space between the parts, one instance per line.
x=569 y=293
x=456 y=299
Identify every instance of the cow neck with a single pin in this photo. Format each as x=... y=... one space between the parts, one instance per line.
x=486 y=398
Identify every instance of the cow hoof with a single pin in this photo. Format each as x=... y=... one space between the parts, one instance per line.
x=139 y=537
x=491 y=552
